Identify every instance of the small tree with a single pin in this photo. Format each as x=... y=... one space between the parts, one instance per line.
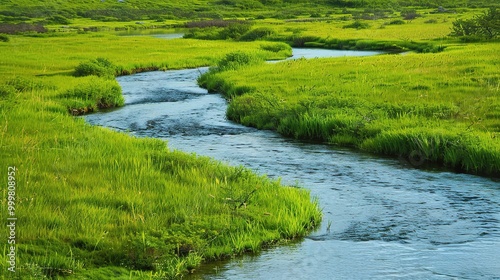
x=464 y=28
x=234 y=31
x=100 y=67
x=489 y=23
x=410 y=14
x=485 y=26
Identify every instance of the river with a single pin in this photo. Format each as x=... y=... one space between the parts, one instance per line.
x=383 y=219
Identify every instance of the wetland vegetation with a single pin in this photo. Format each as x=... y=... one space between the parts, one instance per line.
x=96 y=203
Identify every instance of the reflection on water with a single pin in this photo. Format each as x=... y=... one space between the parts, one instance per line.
x=387 y=219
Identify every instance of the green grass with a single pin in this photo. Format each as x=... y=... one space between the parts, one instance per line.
x=93 y=203
x=442 y=107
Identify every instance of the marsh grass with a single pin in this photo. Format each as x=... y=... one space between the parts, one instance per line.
x=93 y=203
x=441 y=107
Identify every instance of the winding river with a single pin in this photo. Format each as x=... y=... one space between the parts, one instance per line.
x=383 y=219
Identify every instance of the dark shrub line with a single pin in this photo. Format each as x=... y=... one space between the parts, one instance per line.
x=10 y=28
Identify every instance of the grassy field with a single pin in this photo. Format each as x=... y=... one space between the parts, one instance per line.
x=92 y=203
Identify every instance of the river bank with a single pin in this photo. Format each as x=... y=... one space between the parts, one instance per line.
x=96 y=203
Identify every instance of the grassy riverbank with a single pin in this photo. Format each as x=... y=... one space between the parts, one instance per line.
x=93 y=203
x=440 y=107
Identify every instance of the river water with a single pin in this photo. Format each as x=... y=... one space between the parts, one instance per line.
x=383 y=219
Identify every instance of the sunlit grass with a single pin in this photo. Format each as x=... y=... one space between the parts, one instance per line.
x=379 y=29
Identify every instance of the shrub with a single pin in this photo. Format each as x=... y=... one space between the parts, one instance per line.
x=432 y=20
x=397 y=22
x=300 y=41
x=277 y=47
x=236 y=60
x=234 y=31
x=100 y=67
x=410 y=14
x=257 y=33
x=357 y=25
x=95 y=93
x=212 y=23
x=4 y=38
x=210 y=33
x=486 y=26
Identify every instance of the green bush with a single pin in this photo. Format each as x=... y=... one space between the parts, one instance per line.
x=397 y=22
x=219 y=30
x=206 y=33
x=100 y=67
x=300 y=41
x=410 y=14
x=4 y=38
x=234 y=31
x=486 y=26
x=235 y=60
x=277 y=47
x=257 y=33
x=357 y=25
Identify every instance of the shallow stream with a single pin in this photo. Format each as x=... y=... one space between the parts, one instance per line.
x=383 y=219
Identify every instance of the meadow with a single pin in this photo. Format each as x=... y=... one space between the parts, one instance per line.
x=438 y=104
x=93 y=203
